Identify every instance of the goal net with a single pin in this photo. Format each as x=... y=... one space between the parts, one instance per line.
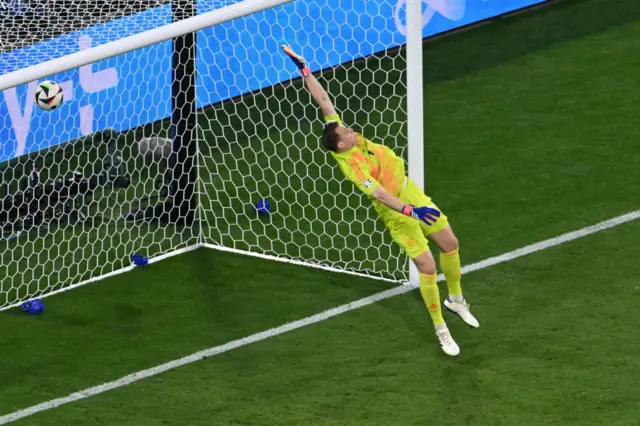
x=264 y=142
x=103 y=176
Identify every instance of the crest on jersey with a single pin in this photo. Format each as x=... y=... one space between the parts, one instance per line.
x=367 y=183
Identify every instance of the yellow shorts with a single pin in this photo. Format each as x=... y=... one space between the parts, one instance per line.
x=409 y=233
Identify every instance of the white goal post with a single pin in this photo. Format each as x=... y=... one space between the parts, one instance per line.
x=222 y=111
x=415 y=104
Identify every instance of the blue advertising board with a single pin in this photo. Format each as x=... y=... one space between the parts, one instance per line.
x=233 y=58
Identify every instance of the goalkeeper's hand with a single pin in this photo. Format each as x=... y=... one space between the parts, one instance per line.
x=428 y=215
x=298 y=60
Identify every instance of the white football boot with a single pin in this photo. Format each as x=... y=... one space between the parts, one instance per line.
x=449 y=346
x=462 y=310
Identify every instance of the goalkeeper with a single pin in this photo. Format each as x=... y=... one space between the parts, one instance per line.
x=409 y=215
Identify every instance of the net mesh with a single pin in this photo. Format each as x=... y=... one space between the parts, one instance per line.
x=84 y=186
x=266 y=145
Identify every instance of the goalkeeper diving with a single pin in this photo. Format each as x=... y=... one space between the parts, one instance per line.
x=410 y=216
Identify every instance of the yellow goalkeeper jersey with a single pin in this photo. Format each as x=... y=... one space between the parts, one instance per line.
x=369 y=165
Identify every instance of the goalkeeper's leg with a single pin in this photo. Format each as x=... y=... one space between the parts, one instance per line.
x=407 y=234
x=450 y=263
x=429 y=287
x=431 y=296
x=442 y=234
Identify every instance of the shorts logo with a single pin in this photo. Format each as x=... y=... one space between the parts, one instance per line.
x=367 y=183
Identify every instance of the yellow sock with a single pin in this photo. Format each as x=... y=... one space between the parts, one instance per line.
x=450 y=264
x=431 y=297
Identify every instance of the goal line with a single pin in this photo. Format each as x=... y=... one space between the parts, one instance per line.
x=294 y=325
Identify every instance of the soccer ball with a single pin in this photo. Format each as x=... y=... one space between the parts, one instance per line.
x=49 y=95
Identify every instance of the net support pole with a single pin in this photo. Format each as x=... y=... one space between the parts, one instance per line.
x=415 y=116
x=183 y=117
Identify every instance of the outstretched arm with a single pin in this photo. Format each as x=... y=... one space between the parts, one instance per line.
x=428 y=215
x=320 y=96
x=382 y=195
x=313 y=85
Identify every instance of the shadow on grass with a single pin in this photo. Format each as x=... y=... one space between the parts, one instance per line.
x=510 y=37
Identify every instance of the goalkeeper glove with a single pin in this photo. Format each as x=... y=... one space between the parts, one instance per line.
x=428 y=215
x=298 y=60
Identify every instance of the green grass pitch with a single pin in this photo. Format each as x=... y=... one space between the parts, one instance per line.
x=531 y=130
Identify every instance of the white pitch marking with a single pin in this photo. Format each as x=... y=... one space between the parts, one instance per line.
x=234 y=344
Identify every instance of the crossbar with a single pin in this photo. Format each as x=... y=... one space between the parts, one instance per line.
x=136 y=41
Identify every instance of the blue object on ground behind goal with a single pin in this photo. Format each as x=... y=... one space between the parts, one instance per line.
x=262 y=207
x=33 y=307
x=139 y=260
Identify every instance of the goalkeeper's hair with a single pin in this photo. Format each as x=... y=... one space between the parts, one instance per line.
x=330 y=137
